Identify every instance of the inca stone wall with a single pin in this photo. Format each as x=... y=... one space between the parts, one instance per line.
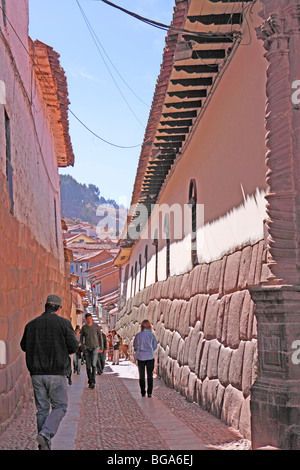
x=28 y=274
x=204 y=323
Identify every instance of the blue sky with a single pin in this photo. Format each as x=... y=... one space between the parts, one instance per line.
x=135 y=49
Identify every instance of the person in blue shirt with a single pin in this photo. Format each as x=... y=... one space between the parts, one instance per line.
x=144 y=346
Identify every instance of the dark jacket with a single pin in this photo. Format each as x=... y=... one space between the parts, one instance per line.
x=47 y=341
x=91 y=337
x=104 y=341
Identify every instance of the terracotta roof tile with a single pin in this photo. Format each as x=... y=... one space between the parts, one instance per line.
x=53 y=85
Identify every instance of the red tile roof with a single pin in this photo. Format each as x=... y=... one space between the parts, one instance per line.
x=53 y=85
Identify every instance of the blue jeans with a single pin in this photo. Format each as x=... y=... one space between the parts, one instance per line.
x=91 y=357
x=50 y=390
x=76 y=363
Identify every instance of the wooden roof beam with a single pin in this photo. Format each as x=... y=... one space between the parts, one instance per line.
x=221 y=19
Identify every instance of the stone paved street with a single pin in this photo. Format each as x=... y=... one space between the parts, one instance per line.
x=113 y=416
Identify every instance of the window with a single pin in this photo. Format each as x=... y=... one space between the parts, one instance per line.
x=193 y=206
x=146 y=263
x=167 y=232
x=135 y=277
x=124 y=296
x=140 y=266
x=9 y=168
x=131 y=286
x=155 y=243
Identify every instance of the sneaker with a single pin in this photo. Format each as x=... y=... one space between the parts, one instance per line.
x=149 y=396
x=44 y=443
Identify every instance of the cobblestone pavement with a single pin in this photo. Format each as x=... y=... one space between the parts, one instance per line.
x=111 y=419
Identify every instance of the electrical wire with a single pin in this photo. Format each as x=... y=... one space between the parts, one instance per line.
x=58 y=93
x=159 y=25
x=98 y=137
x=96 y=41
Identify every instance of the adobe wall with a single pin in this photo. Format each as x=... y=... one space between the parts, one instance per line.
x=32 y=261
x=204 y=323
x=28 y=274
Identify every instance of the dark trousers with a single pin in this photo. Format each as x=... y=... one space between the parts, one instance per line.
x=143 y=366
x=91 y=356
x=101 y=362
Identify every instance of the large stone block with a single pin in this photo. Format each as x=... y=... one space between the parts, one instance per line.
x=259 y=262
x=236 y=366
x=213 y=357
x=203 y=277
x=204 y=361
x=211 y=316
x=209 y=393
x=249 y=367
x=224 y=364
x=233 y=325
x=245 y=262
x=202 y=300
x=185 y=288
x=232 y=405
x=214 y=275
x=170 y=372
x=199 y=351
x=192 y=307
x=194 y=340
x=175 y=344
x=195 y=280
x=186 y=348
x=245 y=419
x=232 y=272
x=253 y=263
x=177 y=376
x=191 y=388
x=184 y=379
x=180 y=352
x=247 y=312
x=184 y=320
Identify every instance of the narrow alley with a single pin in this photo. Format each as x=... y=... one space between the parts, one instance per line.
x=173 y=245
x=125 y=420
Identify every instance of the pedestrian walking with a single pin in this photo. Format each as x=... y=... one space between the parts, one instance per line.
x=91 y=340
x=116 y=346
x=48 y=340
x=78 y=353
x=144 y=346
x=110 y=347
x=102 y=355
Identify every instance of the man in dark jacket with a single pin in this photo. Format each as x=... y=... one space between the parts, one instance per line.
x=92 y=341
x=48 y=340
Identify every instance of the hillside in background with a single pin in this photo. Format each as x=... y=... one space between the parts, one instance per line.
x=84 y=203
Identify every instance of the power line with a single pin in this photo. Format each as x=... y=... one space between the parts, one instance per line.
x=98 y=137
x=96 y=41
x=162 y=26
x=58 y=92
